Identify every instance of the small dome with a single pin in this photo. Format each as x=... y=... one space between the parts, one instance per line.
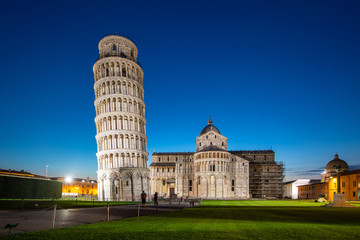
x=336 y=164
x=209 y=128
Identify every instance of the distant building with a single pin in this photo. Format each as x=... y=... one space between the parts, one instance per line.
x=78 y=187
x=213 y=172
x=22 y=173
x=349 y=182
x=291 y=187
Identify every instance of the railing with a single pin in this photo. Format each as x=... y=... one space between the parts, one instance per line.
x=118 y=34
x=117 y=55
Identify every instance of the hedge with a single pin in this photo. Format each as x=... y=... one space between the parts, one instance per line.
x=29 y=188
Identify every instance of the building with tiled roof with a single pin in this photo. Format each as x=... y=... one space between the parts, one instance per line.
x=213 y=172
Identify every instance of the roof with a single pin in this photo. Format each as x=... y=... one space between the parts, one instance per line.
x=311 y=184
x=162 y=164
x=289 y=182
x=21 y=173
x=172 y=153
x=251 y=151
x=357 y=171
x=212 y=148
x=73 y=179
x=210 y=127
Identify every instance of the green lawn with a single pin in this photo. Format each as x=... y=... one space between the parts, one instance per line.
x=41 y=204
x=225 y=220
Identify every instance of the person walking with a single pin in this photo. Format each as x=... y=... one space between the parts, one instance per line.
x=156 y=198
x=143 y=198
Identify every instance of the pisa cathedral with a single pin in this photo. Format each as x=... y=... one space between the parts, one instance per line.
x=211 y=172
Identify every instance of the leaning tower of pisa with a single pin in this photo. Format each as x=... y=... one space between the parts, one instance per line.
x=120 y=121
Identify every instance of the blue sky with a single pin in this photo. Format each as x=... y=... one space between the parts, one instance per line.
x=280 y=74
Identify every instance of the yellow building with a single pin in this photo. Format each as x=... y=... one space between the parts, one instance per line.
x=349 y=182
x=349 y=185
x=78 y=187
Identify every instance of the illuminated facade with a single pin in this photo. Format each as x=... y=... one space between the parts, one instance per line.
x=349 y=182
x=78 y=187
x=213 y=172
x=120 y=121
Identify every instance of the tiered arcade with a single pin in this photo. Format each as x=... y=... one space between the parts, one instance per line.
x=120 y=121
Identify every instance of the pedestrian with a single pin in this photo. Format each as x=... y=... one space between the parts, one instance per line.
x=156 y=198
x=143 y=198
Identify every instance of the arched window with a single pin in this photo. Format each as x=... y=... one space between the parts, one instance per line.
x=114 y=47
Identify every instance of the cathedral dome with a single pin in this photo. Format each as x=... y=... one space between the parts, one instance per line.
x=210 y=127
x=336 y=164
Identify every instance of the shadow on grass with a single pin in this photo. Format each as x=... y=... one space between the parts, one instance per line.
x=271 y=214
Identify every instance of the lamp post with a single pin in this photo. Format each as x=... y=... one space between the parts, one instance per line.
x=338 y=170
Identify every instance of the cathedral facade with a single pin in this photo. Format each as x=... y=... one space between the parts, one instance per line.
x=213 y=172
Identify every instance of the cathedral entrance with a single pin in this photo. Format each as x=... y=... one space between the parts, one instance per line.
x=172 y=192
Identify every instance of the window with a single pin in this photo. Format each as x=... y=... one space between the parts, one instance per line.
x=159 y=159
x=173 y=169
x=127 y=183
x=116 y=190
x=168 y=169
x=214 y=167
x=232 y=185
x=215 y=136
x=267 y=169
x=200 y=144
x=176 y=159
x=162 y=169
x=265 y=157
x=190 y=185
x=354 y=194
x=157 y=170
x=222 y=143
x=164 y=183
x=114 y=47
x=210 y=143
x=354 y=183
x=168 y=159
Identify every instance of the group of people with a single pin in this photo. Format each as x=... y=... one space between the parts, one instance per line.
x=144 y=196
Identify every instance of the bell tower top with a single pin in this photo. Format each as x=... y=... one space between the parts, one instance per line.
x=114 y=45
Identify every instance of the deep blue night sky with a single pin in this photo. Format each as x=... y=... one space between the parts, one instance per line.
x=280 y=74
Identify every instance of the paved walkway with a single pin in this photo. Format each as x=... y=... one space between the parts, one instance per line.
x=42 y=219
